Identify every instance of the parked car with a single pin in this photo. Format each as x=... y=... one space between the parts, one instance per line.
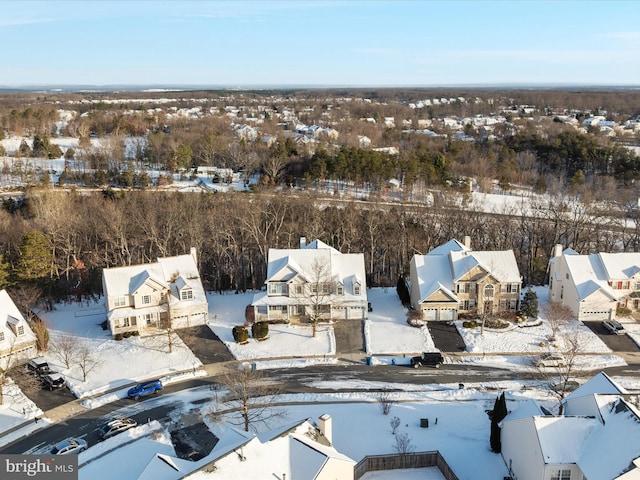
x=116 y=426
x=145 y=388
x=428 y=359
x=69 y=446
x=38 y=366
x=53 y=381
x=550 y=360
x=613 y=327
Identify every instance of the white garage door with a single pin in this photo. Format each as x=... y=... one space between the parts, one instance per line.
x=593 y=315
x=447 y=314
x=430 y=314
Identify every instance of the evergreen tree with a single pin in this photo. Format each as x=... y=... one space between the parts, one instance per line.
x=499 y=412
x=36 y=259
x=403 y=292
x=529 y=305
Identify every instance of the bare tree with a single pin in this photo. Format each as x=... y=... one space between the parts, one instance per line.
x=394 y=423
x=557 y=315
x=402 y=443
x=317 y=293
x=386 y=401
x=87 y=359
x=39 y=328
x=65 y=348
x=166 y=322
x=252 y=396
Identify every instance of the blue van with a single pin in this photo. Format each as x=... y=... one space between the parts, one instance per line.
x=145 y=388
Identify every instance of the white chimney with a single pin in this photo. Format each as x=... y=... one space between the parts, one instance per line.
x=557 y=250
x=467 y=241
x=326 y=429
x=194 y=254
x=303 y=242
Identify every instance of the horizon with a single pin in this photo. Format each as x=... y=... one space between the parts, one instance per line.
x=320 y=44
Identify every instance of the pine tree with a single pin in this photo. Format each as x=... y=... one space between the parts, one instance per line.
x=36 y=258
x=499 y=412
x=529 y=306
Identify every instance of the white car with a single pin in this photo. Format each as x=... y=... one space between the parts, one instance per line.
x=69 y=446
x=550 y=360
x=116 y=426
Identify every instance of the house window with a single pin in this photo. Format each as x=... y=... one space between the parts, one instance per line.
x=567 y=275
x=146 y=299
x=488 y=291
x=504 y=288
x=186 y=294
x=563 y=474
x=148 y=318
x=20 y=330
x=513 y=305
x=298 y=289
x=561 y=291
x=1 y=336
x=314 y=288
x=325 y=289
x=340 y=290
x=119 y=301
x=637 y=287
x=515 y=288
x=277 y=289
x=502 y=304
x=299 y=309
x=278 y=308
x=356 y=289
x=125 y=322
x=625 y=286
x=619 y=286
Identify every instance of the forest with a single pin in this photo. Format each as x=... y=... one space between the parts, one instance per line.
x=57 y=237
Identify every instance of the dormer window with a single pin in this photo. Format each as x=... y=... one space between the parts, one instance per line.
x=340 y=289
x=1 y=336
x=186 y=294
x=356 y=289
x=20 y=330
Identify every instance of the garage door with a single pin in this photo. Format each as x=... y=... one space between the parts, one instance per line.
x=447 y=314
x=430 y=314
x=593 y=315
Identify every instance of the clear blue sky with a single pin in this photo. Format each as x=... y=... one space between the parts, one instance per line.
x=322 y=42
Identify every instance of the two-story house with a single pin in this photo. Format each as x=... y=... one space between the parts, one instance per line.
x=597 y=436
x=594 y=286
x=17 y=340
x=453 y=279
x=168 y=293
x=313 y=280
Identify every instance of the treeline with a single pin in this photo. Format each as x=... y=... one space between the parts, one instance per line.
x=62 y=241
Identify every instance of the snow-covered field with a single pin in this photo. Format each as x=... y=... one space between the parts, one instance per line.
x=359 y=426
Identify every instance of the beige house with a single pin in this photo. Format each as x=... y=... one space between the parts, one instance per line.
x=453 y=279
x=17 y=340
x=146 y=297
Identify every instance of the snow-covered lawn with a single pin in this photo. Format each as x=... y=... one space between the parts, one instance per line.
x=120 y=362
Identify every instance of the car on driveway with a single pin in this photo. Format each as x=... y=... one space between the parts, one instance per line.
x=53 y=381
x=69 y=446
x=550 y=360
x=613 y=327
x=38 y=366
x=145 y=388
x=116 y=426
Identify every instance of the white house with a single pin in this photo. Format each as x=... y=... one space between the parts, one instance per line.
x=314 y=276
x=597 y=436
x=17 y=340
x=453 y=279
x=594 y=286
x=299 y=450
x=144 y=297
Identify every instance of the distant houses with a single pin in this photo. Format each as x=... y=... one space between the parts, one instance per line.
x=152 y=296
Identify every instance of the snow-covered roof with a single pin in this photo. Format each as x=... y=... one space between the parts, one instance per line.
x=588 y=275
x=9 y=314
x=599 y=384
x=562 y=439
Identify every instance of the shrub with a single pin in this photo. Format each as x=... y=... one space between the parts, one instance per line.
x=495 y=323
x=623 y=311
x=469 y=324
x=118 y=336
x=260 y=330
x=135 y=333
x=240 y=334
x=126 y=334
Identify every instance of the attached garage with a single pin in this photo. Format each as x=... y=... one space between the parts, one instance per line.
x=594 y=315
x=447 y=314
x=430 y=314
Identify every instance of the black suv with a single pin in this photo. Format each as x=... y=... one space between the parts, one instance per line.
x=38 y=366
x=428 y=359
x=53 y=381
